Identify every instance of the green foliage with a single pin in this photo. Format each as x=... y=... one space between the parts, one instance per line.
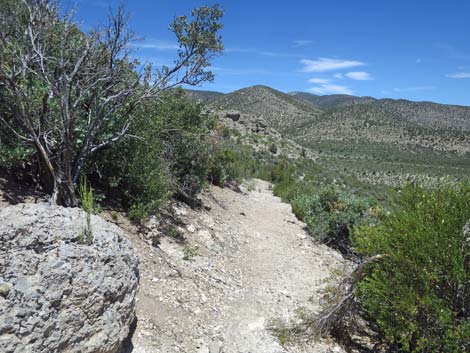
x=330 y=214
x=283 y=175
x=12 y=151
x=170 y=154
x=190 y=251
x=224 y=166
x=273 y=148
x=233 y=162
x=86 y=197
x=419 y=293
x=67 y=126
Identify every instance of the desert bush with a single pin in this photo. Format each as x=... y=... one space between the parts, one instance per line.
x=419 y=293
x=330 y=215
x=86 y=198
x=169 y=154
x=273 y=148
x=232 y=162
x=224 y=166
x=12 y=150
x=284 y=177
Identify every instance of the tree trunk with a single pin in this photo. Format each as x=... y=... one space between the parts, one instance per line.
x=63 y=193
x=62 y=186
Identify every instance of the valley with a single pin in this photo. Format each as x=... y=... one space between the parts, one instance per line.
x=377 y=141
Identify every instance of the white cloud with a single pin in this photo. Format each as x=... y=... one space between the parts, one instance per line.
x=328 y=64
x=156 y=44
x=415 y=88
x=331 y=89
x=459 y=75
x=359 y=76
x=319 y=80
x=338 y=76
x=301 y=43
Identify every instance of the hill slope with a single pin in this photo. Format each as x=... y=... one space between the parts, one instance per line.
x=281 y=111
x=331 y=101
x=426 y=114
x=202 y=96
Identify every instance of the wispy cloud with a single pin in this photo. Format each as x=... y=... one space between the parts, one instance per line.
x=459 y=75
x=319 y=80
x=301 y=43
x=328 y=64
x=156 y=44
x=339 y=76
x=415 y=88
x=331 y=89
x=359 y=76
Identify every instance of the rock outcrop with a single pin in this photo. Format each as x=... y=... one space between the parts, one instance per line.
x=58 y=294
x=246 y=123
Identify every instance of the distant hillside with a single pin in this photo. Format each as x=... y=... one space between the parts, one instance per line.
x=428 y=114
x=374 y=132
x=202 y=96
x=331 y=101
x=301 y=114
x=425 y=114
x=281 y=111
x=376 y=140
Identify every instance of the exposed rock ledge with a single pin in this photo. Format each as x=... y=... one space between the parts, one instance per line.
x=57 y=295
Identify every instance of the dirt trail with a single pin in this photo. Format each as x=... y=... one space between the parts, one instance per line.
x=250 y=260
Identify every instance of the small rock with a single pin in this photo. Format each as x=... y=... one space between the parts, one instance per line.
x=5 y=288
x=214 y=347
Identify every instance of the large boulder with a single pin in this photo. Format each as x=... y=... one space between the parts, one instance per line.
x=233 y=115
x=58 y=294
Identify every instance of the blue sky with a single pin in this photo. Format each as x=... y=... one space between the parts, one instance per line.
x=415 y=49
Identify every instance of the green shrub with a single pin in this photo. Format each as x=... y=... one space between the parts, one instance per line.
x=169 y=154
x=273 y=148
x=225 y=165
x=233 y=162
x=283 y=176
x=12 y=150
x=86 y=197
x=419 y=293
x=330 y=215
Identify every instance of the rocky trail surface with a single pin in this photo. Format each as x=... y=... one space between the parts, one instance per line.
x=245 y=260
